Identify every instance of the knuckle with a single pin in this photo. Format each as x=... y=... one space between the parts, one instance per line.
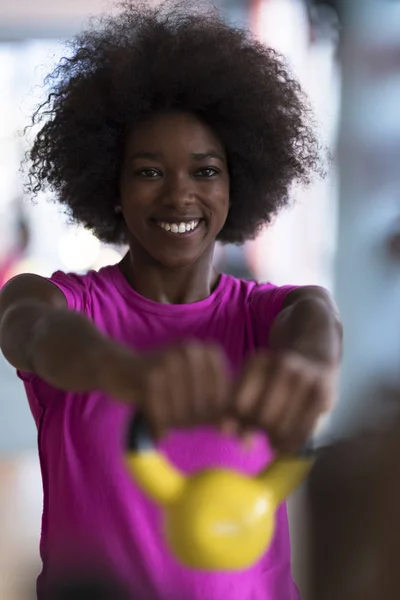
x=292 y=362
x=191 y=351
x=260 y=361
x=213 y=354
x=324 y=403
x=267 y=420
x=214 y=350
x=242 y=409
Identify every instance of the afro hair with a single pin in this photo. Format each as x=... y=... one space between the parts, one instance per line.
x=178 y=56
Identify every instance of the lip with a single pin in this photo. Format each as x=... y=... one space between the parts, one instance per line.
x=177 y=219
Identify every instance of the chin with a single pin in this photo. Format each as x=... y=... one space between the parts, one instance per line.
x=181 y=257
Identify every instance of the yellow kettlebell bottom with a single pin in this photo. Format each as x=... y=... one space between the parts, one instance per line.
x=215 y=519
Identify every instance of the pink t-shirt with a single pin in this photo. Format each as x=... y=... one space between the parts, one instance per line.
x=94 y=516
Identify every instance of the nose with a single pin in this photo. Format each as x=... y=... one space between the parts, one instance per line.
x=178 y=191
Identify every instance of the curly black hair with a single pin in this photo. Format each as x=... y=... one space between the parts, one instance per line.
x=175 y=56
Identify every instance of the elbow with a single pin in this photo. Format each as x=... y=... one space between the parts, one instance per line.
x=16 y=335
x=8 y=335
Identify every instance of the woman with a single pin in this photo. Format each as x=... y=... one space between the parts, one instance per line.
x=169 y=130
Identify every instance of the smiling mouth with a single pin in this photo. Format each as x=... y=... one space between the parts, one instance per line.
x=179 y=228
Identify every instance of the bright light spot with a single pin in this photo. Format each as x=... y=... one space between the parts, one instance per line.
x=261 y=507
x=79 y=250
x=107 y=256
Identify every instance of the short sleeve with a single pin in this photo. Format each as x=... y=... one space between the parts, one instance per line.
x=266 y=301
x=74 y=289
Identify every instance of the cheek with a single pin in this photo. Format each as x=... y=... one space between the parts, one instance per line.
x=227 y=194
x=221 y=198
x=224 y=202
x=136 y=198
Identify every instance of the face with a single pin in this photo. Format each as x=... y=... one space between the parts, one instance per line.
x=174 y=189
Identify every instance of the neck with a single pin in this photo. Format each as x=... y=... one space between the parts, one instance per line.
x=183 y=285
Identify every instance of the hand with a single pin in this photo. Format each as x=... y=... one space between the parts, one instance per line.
x=284 y=394
x=181 y=386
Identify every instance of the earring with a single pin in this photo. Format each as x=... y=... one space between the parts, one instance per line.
x=118 y=209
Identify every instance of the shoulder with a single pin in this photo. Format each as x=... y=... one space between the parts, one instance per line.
x=79 y=289
x=258 y=304
x=262 y=298
x=315 y=293
x=266 y=300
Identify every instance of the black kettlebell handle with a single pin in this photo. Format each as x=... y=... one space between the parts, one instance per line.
x=138 y=438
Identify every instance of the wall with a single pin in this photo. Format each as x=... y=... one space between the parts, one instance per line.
x=367 y=277
x=300 y=246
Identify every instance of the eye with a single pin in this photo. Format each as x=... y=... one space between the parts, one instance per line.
x=206 y=172
x=148 y=173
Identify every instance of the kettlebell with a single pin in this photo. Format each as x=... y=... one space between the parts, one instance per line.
x=215 y=519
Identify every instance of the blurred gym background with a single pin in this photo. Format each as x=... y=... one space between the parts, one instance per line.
x=343 y=232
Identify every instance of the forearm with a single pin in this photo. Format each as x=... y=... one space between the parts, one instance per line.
x=62 y=347
x=310 y=326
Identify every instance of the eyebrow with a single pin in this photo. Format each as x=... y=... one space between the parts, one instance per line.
x=195 y=155
x=151 y=155
x=207 y=155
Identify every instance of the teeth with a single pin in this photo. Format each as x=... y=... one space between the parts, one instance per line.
x=179 y=227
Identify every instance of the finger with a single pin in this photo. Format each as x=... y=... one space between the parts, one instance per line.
x=306 y=428
x=294 y=398
x=288 y=394
x=314 y=389
x=176 y=386
x=230 y=426
x=250 y=387
x=217 y=383
x=196 y=367
x=310 y=405
x=155 y=403
x=329 y=391
x=278 y=398
x=299 y=431
x=248 y=440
